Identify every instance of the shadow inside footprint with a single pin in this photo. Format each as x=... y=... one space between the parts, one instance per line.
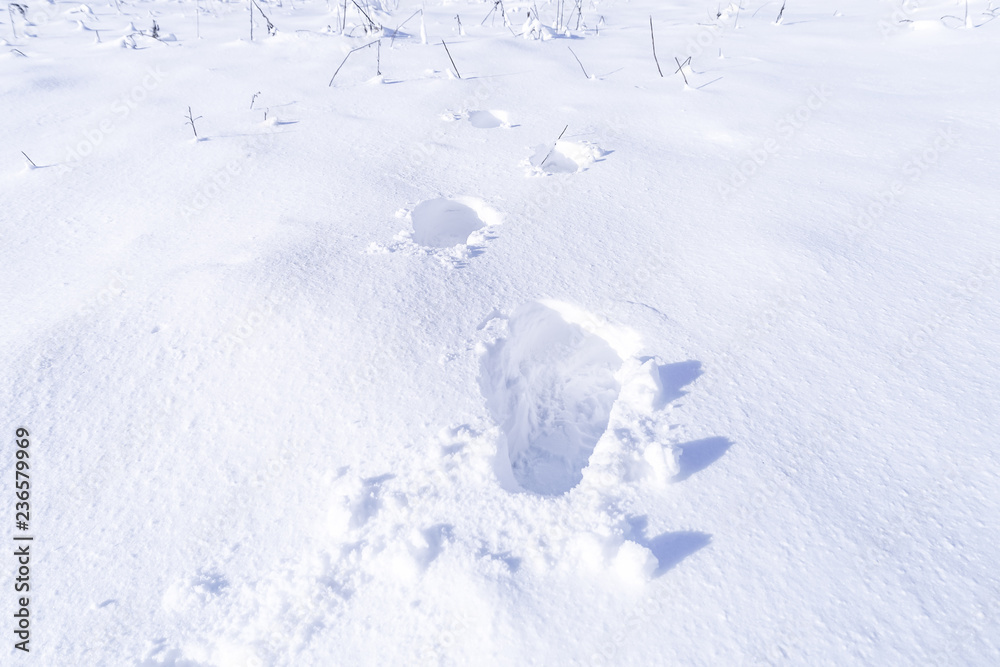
x=557 y=163
x=486 y=120
x=444 y=223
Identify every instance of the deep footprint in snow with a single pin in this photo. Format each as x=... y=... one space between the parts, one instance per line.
x=550 y=386
x=481 y=118
x=489 y=119
x=444 y=223
x=451 y=229
x=566 y=157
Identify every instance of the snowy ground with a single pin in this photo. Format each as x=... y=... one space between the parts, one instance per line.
x=381 y=373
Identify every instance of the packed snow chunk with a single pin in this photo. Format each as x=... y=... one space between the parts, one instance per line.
x=635 y=563
x=644 y=388
x=663 y=460
x=550 y=386
x=489 y=119
x=443 y=223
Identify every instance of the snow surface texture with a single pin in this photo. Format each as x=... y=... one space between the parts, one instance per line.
x=707 y=378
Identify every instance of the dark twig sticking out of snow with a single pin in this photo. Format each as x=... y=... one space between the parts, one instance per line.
x=190 y=121
x=549 y=154
x=652 y=39
x=271 y=30
x=358 y=48
x=967 y=22
x=578 y=61
x=32 y=162
x=11 y=6
x=680 y=68
x=780 y=13
x=496 y=3
x=400 y=26
x=451 y=59
x=371 y=24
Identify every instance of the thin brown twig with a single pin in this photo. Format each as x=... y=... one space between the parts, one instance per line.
x=652 y=39
x=549 y=154
x=578 y=60
x=680 y=68
x=451 y=59
x=348 y=56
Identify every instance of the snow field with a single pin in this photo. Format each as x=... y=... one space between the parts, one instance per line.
x=708 y=379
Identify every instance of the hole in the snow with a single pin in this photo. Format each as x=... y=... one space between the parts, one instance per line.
x=488 y=119
x=550 y=386
x=443 y=223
